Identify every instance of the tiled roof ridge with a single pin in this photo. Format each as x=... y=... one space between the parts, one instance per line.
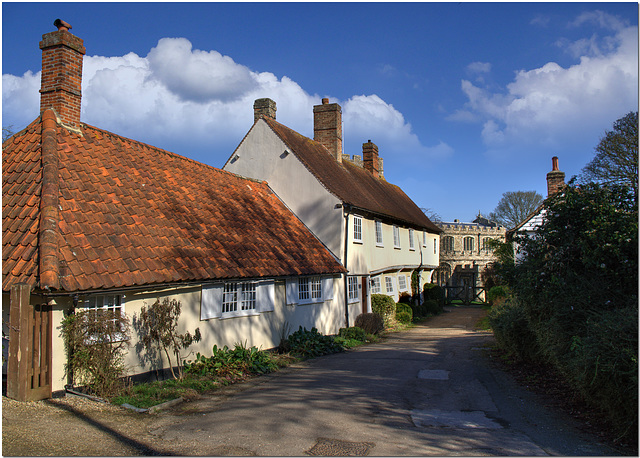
x=306 y=166
x=49 y=266
x=167 y=152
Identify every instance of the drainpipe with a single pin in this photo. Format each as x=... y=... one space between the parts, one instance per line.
x=346 y=280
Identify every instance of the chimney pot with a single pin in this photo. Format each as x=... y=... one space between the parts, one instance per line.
x=325 y=101
x=555 y=178
x=61 y=25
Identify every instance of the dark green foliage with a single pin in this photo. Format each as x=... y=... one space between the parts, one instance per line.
x=497 y=294
x=308 y=344
x=353 y=336
x=576 y=292
x=384 y=306
x=96 y=343
x=239 y=361
x=372 y=323
x=404 y=314
x=433 y=292
x=432 y=307
x=512 y=331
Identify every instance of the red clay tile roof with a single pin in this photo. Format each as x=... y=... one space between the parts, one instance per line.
x=353 y=184
x=131 y=214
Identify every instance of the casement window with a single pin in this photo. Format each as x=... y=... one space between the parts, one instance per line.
x=376 y=288
x=396 y=237
x=388 y=282
x=412 y=240
x=435 y=246
x=468 y=243
x=357 y=229
x=486 y=244
x=238 y=297
x=447 y=243
x=402 y=283
x=352 y=284
x=379 y=233
x=424 y=239
x=235 y=299
x=309 y=290
x=102 y=304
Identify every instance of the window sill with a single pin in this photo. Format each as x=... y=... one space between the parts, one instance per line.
x=228 y=315
x=359 y=242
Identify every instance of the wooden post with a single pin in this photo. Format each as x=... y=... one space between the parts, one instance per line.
x=19 y=351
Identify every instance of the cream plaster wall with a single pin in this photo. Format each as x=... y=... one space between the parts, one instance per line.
x=264 y=330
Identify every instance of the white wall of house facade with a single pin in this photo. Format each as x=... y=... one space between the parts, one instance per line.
x=388 y=254
x=278 y=308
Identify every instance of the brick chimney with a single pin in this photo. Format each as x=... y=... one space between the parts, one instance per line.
x=264 y=107
x=555 y=178
x=61 y=83
x=327 y=127
x=370 y=158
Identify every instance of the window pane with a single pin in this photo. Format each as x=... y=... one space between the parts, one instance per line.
x=316 y=288
x=230 y=298
x=303 y=289
x=378 y=232
x=248 y=296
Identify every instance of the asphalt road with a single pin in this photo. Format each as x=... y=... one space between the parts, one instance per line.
x=428 y=391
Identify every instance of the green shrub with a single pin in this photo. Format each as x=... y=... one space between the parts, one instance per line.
x=432 y=307
x=512 y=330
x=353 y=332
x=384 y=306
x=497 y=294
x=405 y=298
x=404 y=313
x=433 y=292
x=372 y=323
x=309 y=344
x=96 y=343
x=236 y=362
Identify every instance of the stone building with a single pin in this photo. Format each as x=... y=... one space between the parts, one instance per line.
x=464 y=251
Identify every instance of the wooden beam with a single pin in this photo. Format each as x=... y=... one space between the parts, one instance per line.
x=19 y=342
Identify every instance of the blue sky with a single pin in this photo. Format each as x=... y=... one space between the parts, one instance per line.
x=465 y=101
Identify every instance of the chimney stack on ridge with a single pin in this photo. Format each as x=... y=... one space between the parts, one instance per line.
x=264 y=108
x=61 y=82
x=370 y=158
x=555 y=178
x=327 y=127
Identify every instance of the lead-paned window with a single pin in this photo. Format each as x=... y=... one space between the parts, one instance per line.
x=468 y=243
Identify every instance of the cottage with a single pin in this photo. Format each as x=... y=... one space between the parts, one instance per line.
x=93 y=219
x=372 y=226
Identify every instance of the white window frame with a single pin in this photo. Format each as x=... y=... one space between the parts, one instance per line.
x=309 y=290
x=396 y=237
x=353 y=284
x=379 y=238
x=237 y=298
x=388 y=284
x=435 y=246
x=376 y=286
x=402 y=283
x=412 y=240
x=105 y=302
x=357 y=229
x=424 y=239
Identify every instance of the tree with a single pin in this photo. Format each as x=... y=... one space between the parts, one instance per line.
x=616 y=159
x=157 y=326
x=431 y=214
x=7 y=131
x=514 y=207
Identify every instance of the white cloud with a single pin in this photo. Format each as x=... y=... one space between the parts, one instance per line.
x=552 y=105
x=479 y=67
x=188 y=100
